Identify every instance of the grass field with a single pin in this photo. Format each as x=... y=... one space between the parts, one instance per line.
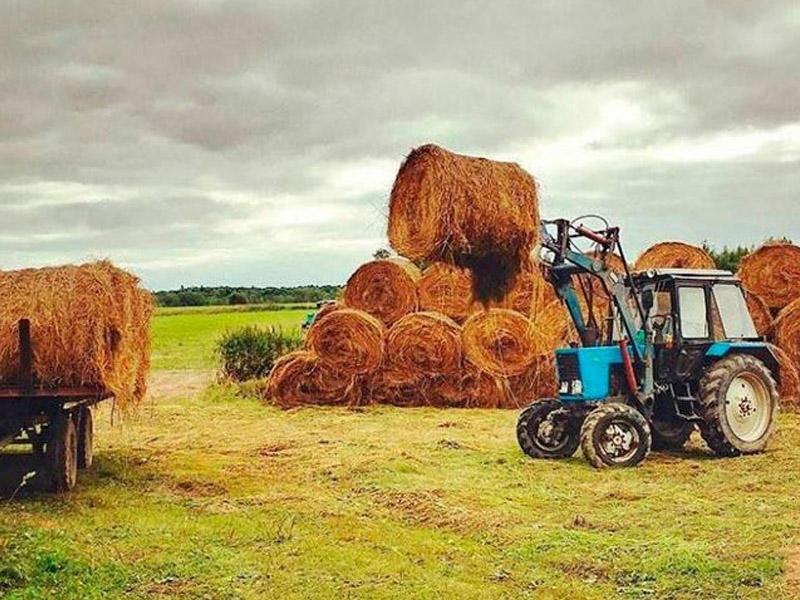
x=184 y=338
x=205 y=494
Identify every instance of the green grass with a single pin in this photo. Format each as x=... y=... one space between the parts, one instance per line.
x=213 y=309
x=186 y=339
x=216 y=496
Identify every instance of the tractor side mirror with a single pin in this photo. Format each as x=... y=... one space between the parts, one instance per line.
x=647 y=300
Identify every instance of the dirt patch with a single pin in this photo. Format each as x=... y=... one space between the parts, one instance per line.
x=178 y=384
x=197 y=489
x=427 y=508
x=791 y=572
x=276 y=449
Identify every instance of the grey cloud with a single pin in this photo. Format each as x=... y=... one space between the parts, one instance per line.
x=265 y=99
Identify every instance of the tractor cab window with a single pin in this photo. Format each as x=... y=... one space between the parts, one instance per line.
x=732 y=307
x=694 y=313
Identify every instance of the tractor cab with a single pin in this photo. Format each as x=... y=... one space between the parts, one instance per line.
x=697 y=316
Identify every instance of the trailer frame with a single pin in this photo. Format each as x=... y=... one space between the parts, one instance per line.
x=56 y=422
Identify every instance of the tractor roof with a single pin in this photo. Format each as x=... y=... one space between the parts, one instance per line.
x=697 y=274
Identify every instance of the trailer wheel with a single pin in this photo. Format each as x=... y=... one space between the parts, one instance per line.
x=85 y=438
x=62 y=454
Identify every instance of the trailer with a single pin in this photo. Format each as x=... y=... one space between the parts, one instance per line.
x=56 y=422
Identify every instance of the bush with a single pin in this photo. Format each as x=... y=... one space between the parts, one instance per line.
x=237 y=298
x=250 y=352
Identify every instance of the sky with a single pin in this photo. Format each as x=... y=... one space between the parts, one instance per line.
x=255 y=143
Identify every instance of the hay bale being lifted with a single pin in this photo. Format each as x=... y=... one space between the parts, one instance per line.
x=471 y=211
x=762 y=318
x=348 y=340
x=428 y=343
x=90 y=326
x=447 y=289
x=674 y=255
x=386 y=289
x=499 y=341
x=773 y=272
x=300 y=378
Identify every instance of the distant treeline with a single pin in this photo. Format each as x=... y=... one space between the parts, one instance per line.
x=727 y=258
x=208 y=296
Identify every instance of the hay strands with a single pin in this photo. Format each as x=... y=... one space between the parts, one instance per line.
x=28 y=389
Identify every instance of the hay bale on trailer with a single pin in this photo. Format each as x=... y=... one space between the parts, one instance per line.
x=674 y=255
x=90 y=326
x=470 y=211
x=773 y=272
x=386 y=289
x=301 y=378
x=348 y=340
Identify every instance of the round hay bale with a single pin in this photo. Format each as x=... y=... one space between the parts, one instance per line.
x=789 y=386
x=470 y=388
x=536 y=382
x=325 y=309
x=471 y=211
x=499 y=341
x=762 y=317
x=552 y=327
x=529 y=291
x=386 y=289
x=674 y=255
x=786 y=332
x=348 y=340
x=300 y=378
x=425 y=342
x=446 y=288
x=396 y=386
x=773 y=272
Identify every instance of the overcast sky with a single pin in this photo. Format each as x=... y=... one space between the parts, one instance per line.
x=212 y=142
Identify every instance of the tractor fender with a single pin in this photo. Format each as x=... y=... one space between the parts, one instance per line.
x=760 y=350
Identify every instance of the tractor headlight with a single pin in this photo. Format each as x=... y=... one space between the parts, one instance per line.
x=573 y=387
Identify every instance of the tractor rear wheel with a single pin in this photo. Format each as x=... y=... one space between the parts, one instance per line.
x=546 y=429
x=739 y=403
x=615 y=435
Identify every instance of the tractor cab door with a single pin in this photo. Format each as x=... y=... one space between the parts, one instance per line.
x=695 y=327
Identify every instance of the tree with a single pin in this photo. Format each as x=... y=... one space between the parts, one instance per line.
x=382 y=253
x=237 y=298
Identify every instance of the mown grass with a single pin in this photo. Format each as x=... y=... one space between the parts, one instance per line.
x=185 y=340
x=217 y=496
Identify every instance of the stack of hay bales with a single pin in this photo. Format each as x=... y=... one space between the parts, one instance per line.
x=475 y=327
x=90 y=326
x=771 y=274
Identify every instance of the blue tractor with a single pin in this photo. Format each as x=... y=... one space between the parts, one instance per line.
x=676 y=350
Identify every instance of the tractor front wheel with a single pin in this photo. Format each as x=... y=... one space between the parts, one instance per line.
x=547 y=429
x=739 y=402
x=615 y=435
